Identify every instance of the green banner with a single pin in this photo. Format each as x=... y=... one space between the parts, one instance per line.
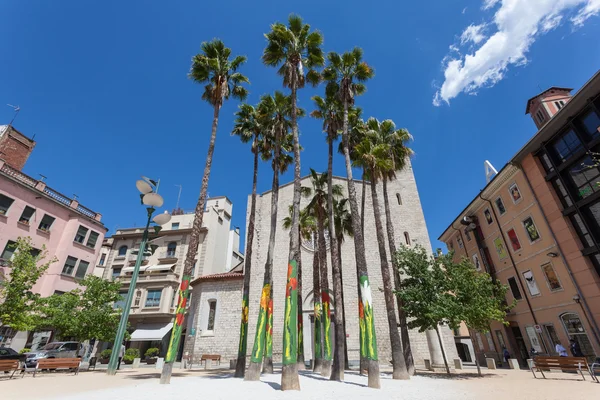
x=326 y=320
x=184 y=290
x=261 y=325
x=367 y=304
x=290 y=322
x=243 y=329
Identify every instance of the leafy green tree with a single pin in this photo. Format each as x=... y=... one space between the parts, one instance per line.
x=219 y=74
x=18 y=302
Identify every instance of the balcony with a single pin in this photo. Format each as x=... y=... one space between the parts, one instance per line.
x=151 y=273
x=167 y=257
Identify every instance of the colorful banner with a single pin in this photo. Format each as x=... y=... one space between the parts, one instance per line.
x=269 y=333
x=243 y=329
x=367 y=304
x=327 y=351
x=290 y=322
x=261 y=325
x=300 y=328
x=184 y=290
x=318 y=337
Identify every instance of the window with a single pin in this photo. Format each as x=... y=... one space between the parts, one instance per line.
x=9 y=250
x=153 y=298
x=546 y=162
x=121 y=302
x=500 y=206
x=193 y=274
x=102 y=259
x=407 y=238
x=531 y=284
x=34 y=252
x=499 y=245
x=488 y=216
x=551 y=277
x=116 y=272
x=552 y=335
x=584 y=235
x=531 y=229
x=490 y=341
x=450 y=246
x=476 y=262
x=399 y=199
x=540 y=115
x=138 y=298
x=81 y=233
x=460 y=242
x=514 y=240
x=171 y=249
x=515 y=193
x=175 y=225
x=46 y=223
x=576 y=331
x=212 y=310
x=591 y=123
x=5 y=203
x=59 y=292
x=566 y=145
x=69 y=265
x=514 y=288
x=467 y=235
x=82 y=269
x=500 y=338
x=91 y=242
x=27 y=214
x=122 y=251
x=591 y=214
x=585 y=176
x=559 y=104
x=562 y=192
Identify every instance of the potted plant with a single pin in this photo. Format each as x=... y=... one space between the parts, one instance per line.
x=130 y=355
x=105 y=356
x=151 y=355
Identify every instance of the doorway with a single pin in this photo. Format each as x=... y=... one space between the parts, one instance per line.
x=522 y=352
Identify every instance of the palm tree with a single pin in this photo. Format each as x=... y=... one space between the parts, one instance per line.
x=319 y=205
x=399 y=153
x=346 y=74
x=292 y=48
x=375 y=158
x=214 y=69
x=274 y=111
x=329 y=110
x=248 y=127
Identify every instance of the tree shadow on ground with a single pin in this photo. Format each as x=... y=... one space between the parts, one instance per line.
x=311 y=375
x=274 y=385
x=452 y=376
x=155 y=375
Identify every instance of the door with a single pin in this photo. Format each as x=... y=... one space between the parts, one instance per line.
x=523 y=354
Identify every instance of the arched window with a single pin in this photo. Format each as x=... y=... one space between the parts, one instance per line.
x=171 y=249
x=122 y=251
x=399 y=199
x=576 y=331
x=407 y=238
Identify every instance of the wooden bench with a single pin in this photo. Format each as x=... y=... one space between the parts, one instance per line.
x=211 y=357
x=58 y=363
x=576 y=364
x=7 y=366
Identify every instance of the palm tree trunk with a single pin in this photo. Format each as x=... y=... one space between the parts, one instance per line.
x=289 y=376
x=317 y=307
x=397 y=355
x=326 y=318
x=240 y=367
x=258 y=351
x=268 y=360
x=339 y=254
x=190 y=258
x=301 y=364
x=340 y=334
x=362 y=203
x=408 y=358
x=361 y=264
x=363 y=357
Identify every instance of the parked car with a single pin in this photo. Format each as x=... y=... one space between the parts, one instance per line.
x=6 y=353
x=52 y=350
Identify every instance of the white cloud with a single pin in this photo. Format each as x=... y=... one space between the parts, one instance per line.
x=514 y=27
x=472 y=34
x=464 y=10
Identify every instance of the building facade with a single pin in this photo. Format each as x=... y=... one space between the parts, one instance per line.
x=155 y=297
x=69 y=232
x=536 y=228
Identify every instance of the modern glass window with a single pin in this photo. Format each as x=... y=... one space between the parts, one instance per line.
x=514 y=240
x=9 y=250
x=514 y=288
x=175 y=225
x=585 y=177
x=531 y=229
x=46 y=223
x=212 y=311
x=515 y=193
x=531 y=284
x=579 y=226
x=122 y=251
x=171 y=249
x=69 y=266
x=562 y=192
x=551 y=277
x=566 y=146
x=81 y=234
x=576 y=331
x=488 y=216
x=116 y=272
x=5 y=203
x=26 y=215
x=591 y=123
x=91 y=242
x=82 y=269
x=546 y=162
x=153 y=298
x=467 y=235
x=500 y=206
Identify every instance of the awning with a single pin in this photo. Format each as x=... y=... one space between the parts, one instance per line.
x=148 y=268
x=151 y=332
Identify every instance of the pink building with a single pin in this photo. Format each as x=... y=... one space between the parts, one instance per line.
x=69 y=232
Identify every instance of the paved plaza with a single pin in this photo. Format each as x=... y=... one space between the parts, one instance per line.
x=143 y=384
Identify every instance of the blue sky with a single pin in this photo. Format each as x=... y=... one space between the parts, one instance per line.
x=103 y=87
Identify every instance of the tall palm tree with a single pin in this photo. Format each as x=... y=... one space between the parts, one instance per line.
x=319 y=205
x=330 y=111
x=292 y=48
x=214 y=69
x=399 y=153
x=346 y=75
x=375 y=158
x=248 y=127
x=274 y=111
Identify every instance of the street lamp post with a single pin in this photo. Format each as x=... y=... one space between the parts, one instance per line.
x=151 y=199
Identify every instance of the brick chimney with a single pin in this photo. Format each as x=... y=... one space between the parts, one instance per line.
x=15 y=147
x=543 y=106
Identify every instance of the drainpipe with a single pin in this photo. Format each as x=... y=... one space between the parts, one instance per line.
x=583 y=302
x=514 y=266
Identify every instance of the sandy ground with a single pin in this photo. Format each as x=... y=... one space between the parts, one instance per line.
x=143 y=384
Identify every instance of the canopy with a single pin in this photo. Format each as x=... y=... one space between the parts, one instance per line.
x=148 y=268
x=149 y=332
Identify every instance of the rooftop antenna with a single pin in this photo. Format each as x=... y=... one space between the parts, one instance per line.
x=490 y=171
x=42 y=177
x=17 y=109
x=178 y=197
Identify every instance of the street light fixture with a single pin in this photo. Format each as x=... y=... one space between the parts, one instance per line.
x=150 y=198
